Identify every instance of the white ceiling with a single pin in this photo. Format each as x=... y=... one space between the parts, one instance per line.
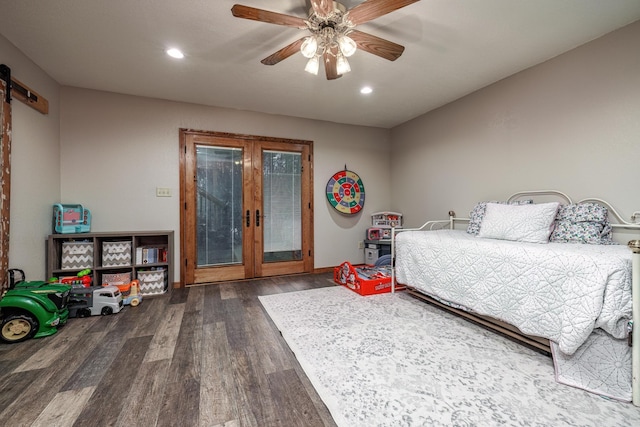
x=453 y=47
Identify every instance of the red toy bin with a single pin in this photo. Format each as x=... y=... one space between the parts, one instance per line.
x=363 y=279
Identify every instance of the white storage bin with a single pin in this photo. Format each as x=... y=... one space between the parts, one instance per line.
x=152 y=282
x=116 y=254
x=76 y=255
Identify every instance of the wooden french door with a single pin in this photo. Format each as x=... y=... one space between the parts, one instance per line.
x=246 y=207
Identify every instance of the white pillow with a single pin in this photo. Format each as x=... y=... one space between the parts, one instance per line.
x=520 y=223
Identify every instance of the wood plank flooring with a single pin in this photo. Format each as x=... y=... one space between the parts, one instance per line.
x=201 y=356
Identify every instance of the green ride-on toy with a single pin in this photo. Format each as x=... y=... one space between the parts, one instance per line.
x=32 y=309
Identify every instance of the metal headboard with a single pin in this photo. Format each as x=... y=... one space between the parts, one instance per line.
x=533 y=193
x=622 y=223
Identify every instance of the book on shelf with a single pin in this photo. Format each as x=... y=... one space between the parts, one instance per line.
x=151 y=255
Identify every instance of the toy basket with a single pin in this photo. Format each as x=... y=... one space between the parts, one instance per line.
x=364 y=279
x=116 y=254
x=116 y=278
x=76 y=255
x=152 y=282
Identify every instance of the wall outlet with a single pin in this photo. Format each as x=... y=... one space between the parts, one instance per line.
x=360 y=244
x=163 y=192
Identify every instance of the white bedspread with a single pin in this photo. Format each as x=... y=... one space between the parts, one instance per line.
x=567 y=293
x=559 y=291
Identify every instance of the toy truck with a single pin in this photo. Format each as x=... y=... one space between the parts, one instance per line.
x=95 y=300
x=32 y=309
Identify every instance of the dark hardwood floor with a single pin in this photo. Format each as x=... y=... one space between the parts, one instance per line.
x=201 y=356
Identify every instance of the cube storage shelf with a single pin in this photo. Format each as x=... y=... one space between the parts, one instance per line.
x=143 y=255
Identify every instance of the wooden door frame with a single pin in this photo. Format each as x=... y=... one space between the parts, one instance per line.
x=185 y=158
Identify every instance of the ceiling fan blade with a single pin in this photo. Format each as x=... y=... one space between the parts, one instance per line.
x=283 y=53
x=377 y=46
x=331 y=63
x=322 y=7
x=247 y=12
x=372 y=9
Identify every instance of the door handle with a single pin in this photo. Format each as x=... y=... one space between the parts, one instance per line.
x=248 y=218
x=257 y=217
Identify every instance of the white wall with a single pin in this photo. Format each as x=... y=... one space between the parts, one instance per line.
x=116 y=149
x=35 y=166
x=571 y=123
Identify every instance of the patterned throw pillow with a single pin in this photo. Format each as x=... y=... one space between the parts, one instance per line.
x=519 y=223
x=582 y=223
x=477 y=214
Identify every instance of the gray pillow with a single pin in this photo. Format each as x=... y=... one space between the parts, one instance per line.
x=582 y=223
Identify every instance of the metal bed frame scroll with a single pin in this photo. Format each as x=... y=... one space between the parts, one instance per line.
x=634 y=246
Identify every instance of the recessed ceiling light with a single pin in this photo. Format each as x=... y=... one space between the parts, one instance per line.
x=366 y=90
x=175 y=53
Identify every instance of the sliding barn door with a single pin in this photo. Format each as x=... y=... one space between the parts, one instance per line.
x=247 y=207
x=5 y=180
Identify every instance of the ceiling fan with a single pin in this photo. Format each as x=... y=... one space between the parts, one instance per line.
x=333 y=35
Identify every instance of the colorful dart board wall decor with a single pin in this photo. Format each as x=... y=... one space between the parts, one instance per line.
x=345 y=192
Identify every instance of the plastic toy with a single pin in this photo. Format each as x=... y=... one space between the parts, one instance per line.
x=95 y=300
x=82 y=279
x=130 y=292
x=32 y=309
x=364 y=279
x=71 y=219
x=373 y=233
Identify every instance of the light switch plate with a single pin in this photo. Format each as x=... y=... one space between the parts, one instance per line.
x=163 y=192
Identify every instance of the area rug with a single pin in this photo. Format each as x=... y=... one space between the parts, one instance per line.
x=392 y=360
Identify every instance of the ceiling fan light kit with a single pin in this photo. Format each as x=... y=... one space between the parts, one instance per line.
x=309 y=47
x=329 y=37
x=347 y=45
x=313 y=65
x=342 y=65
x=333 y=34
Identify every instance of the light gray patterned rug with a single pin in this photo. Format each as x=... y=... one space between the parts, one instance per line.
x=391 y=360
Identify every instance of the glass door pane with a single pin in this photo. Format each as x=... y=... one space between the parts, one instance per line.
x=281 y=201
x=219 y=217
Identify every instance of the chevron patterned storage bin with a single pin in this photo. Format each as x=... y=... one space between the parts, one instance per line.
x=152 y=282
x=76 y=255
x=116 y=254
